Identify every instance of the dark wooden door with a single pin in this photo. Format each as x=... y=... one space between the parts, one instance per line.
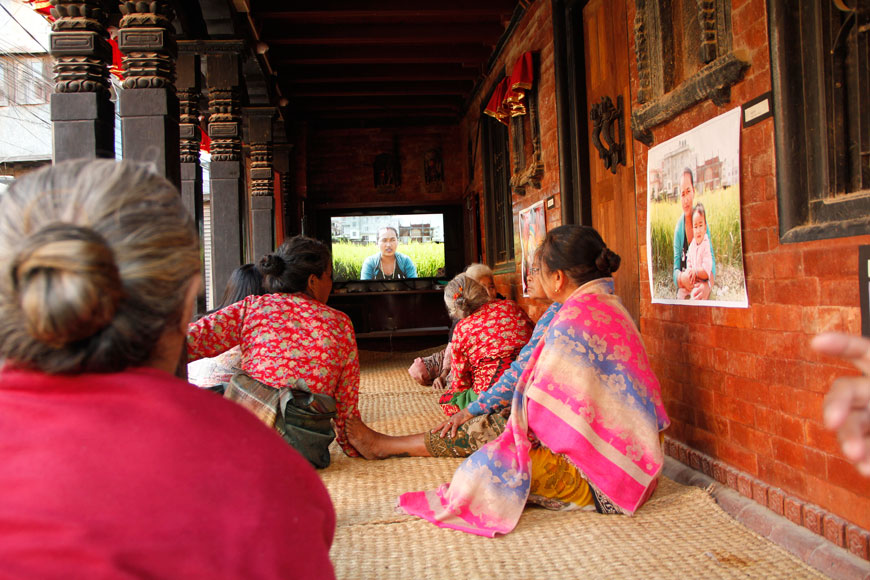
x=614 y=214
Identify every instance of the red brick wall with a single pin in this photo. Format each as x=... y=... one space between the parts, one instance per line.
x=534 y=33
x=741 y=385
x=340 y=164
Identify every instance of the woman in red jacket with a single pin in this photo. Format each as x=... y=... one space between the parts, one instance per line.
x=112 y=466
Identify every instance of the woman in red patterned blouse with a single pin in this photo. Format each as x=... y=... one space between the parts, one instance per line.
x=485 y=341
x=291 y=333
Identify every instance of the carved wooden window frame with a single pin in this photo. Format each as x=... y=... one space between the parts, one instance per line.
x=527 y=174
x=814 y=201
x=653 y=34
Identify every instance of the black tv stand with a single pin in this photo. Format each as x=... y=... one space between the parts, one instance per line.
x=393 y=313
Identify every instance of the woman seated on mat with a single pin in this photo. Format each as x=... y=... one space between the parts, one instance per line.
x=435 y=369
x=214 y=373
x=112 y=466
x=487 y=338
x=586 y=413
x=478 y=423
x=291 y=333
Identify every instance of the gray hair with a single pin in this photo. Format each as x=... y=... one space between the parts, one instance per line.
x=477 y=271
x=463 y=295
x=95 y=257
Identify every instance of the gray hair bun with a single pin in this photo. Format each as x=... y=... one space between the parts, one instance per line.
x=67 y=284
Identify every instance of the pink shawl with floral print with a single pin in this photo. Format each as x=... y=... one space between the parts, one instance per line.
x=588 y=393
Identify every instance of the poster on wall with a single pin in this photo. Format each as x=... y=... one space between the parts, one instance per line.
x=694 y=245
x=533 y=230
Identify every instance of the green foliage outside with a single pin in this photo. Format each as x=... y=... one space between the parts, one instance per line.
x=347 y=258
x=723 y=219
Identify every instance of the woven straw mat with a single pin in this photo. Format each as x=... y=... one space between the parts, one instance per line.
x=680 y=533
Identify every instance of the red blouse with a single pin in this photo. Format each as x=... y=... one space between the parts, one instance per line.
x=285 y=337
x=484 y=345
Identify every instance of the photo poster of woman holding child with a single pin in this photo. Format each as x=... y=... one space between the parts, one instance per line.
x=533 y=230
x=694 y=244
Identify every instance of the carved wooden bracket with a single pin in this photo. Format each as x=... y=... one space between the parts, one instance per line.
x=603 y=116
x=654 y=37
x=711 y=82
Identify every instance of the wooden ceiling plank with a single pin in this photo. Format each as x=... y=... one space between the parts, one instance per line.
x=389 y=102
x=457 y=54
x=382 y=10
x=394 y=88
x=307 y=74
x=280 y=33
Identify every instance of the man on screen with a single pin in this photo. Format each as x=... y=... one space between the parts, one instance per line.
x=388 y=264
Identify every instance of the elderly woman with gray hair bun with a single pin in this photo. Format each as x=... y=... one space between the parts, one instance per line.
x=435 y=369
x=487 y=338
x=112 y=466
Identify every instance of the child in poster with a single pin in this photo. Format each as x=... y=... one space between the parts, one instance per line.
x=696 y=281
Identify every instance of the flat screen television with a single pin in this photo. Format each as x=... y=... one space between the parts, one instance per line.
x=429 y=237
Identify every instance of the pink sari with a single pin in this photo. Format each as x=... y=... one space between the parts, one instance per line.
x=588 y=393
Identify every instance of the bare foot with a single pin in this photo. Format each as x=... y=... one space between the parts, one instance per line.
x=374 y=445
x=364 y=439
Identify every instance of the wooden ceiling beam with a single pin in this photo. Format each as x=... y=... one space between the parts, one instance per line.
x=399 y=54
x=377 y=122
x=457 y=88
x=380 y=114
x=385 y=10
x=277 y=33
x=386 y=102
x=310 y=74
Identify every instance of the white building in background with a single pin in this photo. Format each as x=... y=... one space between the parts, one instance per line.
x=25 y=87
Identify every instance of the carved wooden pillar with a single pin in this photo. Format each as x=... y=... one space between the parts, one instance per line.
x=82 y=115
x=223 y=75
x=148 y=104
x=190 y=137
x=259 y=125
x=281 y=163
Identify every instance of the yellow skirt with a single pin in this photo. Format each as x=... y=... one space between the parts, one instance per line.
x=556 y=483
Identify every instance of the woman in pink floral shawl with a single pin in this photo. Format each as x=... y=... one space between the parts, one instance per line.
x=586 y=415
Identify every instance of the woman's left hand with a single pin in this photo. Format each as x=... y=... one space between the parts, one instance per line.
x=453 y=423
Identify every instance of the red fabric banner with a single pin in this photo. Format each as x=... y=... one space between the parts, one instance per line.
x=508 y=98
x=42 y=6
x=495 y=108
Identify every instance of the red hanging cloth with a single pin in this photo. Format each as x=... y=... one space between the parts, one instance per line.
x=42 y=6
x=508 y=98
x=495 y=108
x=520 y=81
x=117 y=67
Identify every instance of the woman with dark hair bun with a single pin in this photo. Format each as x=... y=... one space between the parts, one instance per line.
x=112 y=466
x=214 y=372
x=586 y=414
x=246 y=280
x=290 y=334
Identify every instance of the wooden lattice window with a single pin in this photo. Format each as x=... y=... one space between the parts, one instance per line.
x=820 y=62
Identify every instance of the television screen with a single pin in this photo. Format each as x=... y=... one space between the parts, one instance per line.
x=387 y=247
